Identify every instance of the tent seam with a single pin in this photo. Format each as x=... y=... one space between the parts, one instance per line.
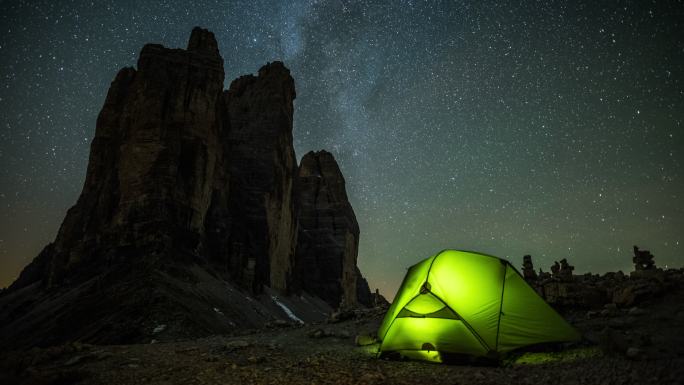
x=498 y=323
x=395 y=317
x=427 y=275
x=467 y=325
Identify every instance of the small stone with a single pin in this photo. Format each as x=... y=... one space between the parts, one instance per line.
x=636 y=311
x=621 y=322
x=77 y=346
x=634 y=353
x=187 y=350
x=344 y=333
x=256 y=359
x=73 y=360
x=479 y=375
x=341 y=315
x=363 y=340
x=280 y=323
x=276 y=324
x=624 y=296
x=238 y=344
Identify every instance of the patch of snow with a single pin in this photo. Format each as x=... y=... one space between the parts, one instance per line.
x=159 y=329
x=287 y=310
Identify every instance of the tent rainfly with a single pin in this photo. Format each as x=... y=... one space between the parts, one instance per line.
x=467 y=304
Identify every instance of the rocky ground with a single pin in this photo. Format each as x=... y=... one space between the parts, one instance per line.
x=636 y=345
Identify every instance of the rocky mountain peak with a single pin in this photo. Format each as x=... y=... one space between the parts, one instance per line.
x=202 y=40
x=323 y=164
x=189 y=214
x=273 y=77
x=328 y=237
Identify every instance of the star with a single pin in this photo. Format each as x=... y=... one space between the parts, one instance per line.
x=506 y=129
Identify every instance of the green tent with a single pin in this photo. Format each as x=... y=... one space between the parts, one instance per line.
x=466 y=303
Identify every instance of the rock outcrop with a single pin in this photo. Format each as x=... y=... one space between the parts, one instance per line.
x=151 y=169
x=643 y=259
x=187 y=217
x=252 y=213
x=528 y=269
x=591 y=291
x=328 y=238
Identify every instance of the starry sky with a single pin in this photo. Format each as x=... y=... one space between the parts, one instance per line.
x=549 y=128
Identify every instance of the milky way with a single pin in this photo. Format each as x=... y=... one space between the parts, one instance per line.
x=551 y=128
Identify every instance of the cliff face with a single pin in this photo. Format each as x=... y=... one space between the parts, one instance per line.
x=180 y=168
x=259 y=217
x=328 y=237
x=151 y=168
x=189 y=205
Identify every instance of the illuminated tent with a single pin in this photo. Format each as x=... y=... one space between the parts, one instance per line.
x=462 y=303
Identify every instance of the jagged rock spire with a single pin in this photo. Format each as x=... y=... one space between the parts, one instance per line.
x=189 y=190
x=202 y=40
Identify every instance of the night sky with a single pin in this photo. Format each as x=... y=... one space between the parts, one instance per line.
x=548 y=128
